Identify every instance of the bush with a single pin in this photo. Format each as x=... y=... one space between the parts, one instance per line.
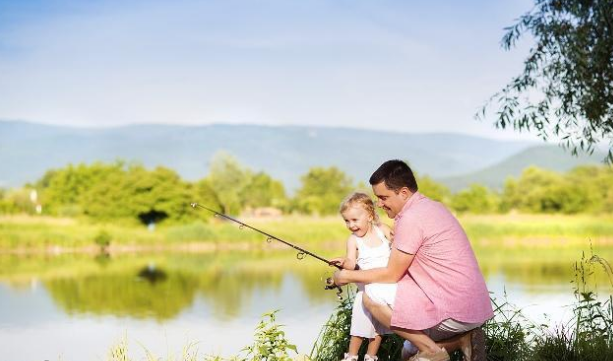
x=103 y=239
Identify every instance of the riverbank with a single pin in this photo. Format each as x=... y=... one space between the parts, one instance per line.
x=30 y=234
x=519 y=246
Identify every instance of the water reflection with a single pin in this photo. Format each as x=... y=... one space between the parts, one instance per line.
x=161 y=286
x=152 y=274
x=123 y=294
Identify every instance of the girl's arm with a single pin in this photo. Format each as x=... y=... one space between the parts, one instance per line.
x=352 y=254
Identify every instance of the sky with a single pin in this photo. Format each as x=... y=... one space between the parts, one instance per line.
x=384 y=65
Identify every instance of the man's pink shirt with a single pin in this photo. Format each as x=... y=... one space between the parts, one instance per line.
x=444 y=280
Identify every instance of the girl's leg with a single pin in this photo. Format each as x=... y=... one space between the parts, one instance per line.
x=354 y=345
x=373 y=345
x=359 y=325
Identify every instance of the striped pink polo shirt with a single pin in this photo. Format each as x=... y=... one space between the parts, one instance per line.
x=444 y=280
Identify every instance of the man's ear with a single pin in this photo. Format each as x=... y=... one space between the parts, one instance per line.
x=405 y=192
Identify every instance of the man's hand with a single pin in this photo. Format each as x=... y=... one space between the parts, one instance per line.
x=339 y=278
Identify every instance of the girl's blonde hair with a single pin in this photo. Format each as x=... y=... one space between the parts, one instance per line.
x=362 y=199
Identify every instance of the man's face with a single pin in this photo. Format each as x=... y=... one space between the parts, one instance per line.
x=391 y=202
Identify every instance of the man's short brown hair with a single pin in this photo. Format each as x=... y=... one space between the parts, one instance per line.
x=396 y=174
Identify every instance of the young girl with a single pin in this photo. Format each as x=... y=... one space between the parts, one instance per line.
x=367 y=247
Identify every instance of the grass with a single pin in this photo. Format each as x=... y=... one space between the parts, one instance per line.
x=40 y=233
x=31 y=233
x=538 y=230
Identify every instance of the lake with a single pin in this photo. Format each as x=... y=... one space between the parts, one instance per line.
x=76 y=307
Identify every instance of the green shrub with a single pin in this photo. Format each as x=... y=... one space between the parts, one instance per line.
x=103 y=239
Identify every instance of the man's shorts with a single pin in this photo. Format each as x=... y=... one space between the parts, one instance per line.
x=450 y=328
x=385 y=294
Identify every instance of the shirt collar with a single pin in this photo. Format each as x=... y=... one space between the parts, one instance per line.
x=414 y=197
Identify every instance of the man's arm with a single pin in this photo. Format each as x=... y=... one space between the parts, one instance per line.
x=396 y=268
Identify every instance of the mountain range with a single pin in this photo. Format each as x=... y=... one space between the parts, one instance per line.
x=28 y=149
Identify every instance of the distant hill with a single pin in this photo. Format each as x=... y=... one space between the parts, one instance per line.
x=27 y=149
x=546 y=156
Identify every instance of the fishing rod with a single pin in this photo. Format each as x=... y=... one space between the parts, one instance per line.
x=302 y=253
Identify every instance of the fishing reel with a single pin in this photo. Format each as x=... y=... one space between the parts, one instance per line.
x=330 y=285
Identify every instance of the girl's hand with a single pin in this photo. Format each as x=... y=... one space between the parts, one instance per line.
x=338 y=261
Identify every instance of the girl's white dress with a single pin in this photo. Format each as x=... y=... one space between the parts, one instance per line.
x=362 y=323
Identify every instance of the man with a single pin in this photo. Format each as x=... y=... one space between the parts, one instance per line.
x=442 y=298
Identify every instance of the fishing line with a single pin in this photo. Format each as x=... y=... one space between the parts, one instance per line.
x=302 y=253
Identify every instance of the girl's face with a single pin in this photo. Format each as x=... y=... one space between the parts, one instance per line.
x=357 y=220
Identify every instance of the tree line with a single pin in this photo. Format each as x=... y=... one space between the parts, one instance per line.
x=127 y=191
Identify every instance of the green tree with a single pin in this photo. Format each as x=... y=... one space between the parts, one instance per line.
x=608 y=202
x=511 y=195
x=204 y=194
x=543 y=191
x=583 y=189
x=540 y=190
x=476 y=199
x=158 y=195
x=16 y=201
x=62 y=190
x=263 y=191
x=120 y=191
x=228 y=179
x=595 y=183
x=6 y=207
x=565 y=88
x=604 y=182
x=109 y=197
x=432 y=189
x=322 y=190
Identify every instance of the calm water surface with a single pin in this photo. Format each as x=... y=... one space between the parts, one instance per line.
x=74 y=308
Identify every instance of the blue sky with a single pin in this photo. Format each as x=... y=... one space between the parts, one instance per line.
x=387 y=65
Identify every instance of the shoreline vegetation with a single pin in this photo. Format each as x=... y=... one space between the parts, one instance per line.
x=26 y=234
x=519 y=247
